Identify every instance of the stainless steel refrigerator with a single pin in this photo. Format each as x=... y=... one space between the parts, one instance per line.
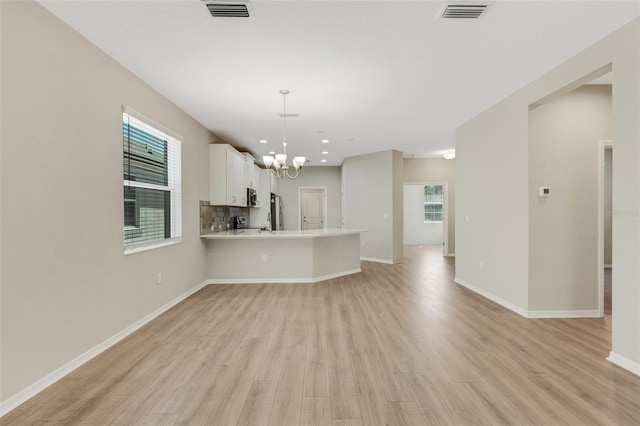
x=276 y=213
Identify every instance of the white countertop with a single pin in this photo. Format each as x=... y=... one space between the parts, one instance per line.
x=254 y=234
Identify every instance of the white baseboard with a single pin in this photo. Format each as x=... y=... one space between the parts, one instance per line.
x=40 y=385
x=608 y=266
x=591 y=313
x=623 y=362
x=450 y=255
x=515 y=308
x=373 y=259
x=217 y=281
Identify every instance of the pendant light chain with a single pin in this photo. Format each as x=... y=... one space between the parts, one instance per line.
x=279 y=163
x=284 y=122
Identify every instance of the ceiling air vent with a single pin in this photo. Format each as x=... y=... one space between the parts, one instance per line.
x=228 y=10
x=468 y=10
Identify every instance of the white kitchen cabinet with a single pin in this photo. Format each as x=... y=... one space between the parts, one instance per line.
x=236 y=191
x=251 y=172
x=274 y=182
x=256 y=177
x=258 y=217
x=227 y=176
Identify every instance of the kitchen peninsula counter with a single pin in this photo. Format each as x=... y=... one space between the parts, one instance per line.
x=258 y=234
x=254 y=256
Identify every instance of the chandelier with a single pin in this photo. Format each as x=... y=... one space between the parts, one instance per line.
x=279 y=163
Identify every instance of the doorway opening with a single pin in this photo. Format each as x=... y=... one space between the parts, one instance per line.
x=312 y=208
x=566 y=256
x=425 y=220
x=605 y=225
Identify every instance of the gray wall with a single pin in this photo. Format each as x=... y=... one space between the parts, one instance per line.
x=398 y=205
x=373 y=200
x=422 y=170
x=492 y=204
x=66 y=284
x=564 y=136
x=492 y=170
x=319 y=176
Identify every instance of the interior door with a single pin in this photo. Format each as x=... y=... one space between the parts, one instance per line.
x=312 y=208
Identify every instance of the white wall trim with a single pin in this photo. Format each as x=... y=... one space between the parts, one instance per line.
x=608 y=266
x=43 y=383
x=450 y=255
x=220 y=281
x=623 y=362
x=512 y=307
x=373 y=259
x=590 y=313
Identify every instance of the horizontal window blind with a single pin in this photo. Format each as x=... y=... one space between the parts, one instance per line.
x=152 y=183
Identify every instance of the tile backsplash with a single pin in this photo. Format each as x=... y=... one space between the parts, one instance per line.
x=216 y=218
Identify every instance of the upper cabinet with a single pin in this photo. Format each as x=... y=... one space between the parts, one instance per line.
x=273 y=182
x=251 y=173
x=227 y=176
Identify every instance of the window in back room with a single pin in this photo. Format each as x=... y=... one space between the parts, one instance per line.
x=433 y=200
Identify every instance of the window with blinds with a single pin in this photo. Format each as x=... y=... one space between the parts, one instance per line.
x=152 y=187
x=433 y=200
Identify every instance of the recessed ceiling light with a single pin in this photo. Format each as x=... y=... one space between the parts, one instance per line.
x=272 y=152
x=325 y=140
x=323 y=161
x=263 y=141
x=325 y=152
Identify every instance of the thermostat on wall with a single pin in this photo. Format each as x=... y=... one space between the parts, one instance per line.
x=544 y=191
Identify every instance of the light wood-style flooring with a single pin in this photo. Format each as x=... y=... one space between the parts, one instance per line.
x=394 y=345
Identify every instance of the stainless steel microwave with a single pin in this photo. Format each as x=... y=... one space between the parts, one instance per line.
x=252 y=197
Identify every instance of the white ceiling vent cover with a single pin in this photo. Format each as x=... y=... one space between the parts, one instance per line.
x=228 y=9
x=463 y=10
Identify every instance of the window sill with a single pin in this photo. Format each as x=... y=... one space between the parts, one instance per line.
x=137 y=248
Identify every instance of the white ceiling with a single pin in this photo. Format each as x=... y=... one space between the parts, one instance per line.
x=367 y=75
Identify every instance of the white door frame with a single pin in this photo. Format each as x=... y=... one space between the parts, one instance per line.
x=324 y=204
x=445 y=212
x=602 y=146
